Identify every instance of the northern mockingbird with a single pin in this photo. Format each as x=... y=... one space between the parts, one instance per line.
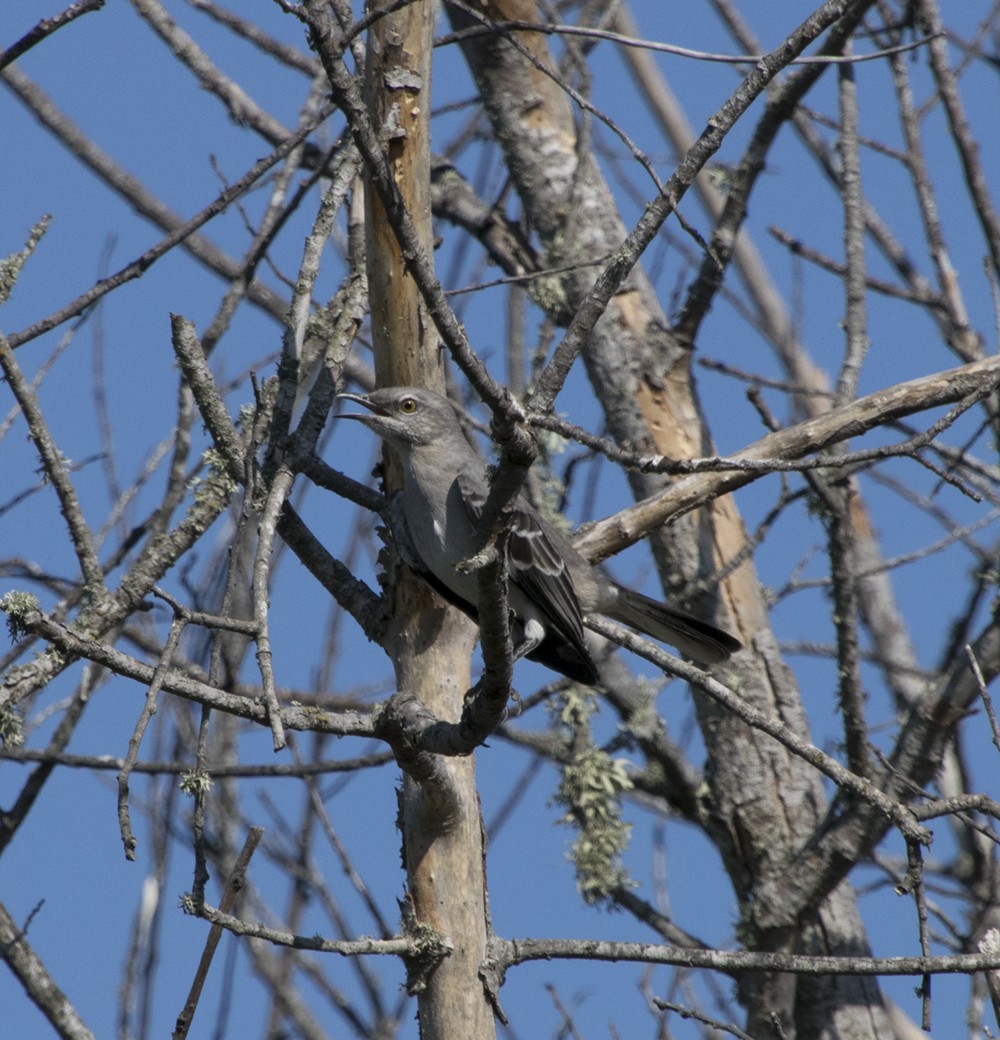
x=551 y=586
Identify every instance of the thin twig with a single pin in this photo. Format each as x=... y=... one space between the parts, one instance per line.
x=45 y=28
x=182 y=231
x=42 y=989
x=277 y=494
x=510 y=952
x=706 y=1020
x=961 y=132
x=247 y=30
x=56 y=471
x=550 y=29
x=344 y=723
x=813 y=435
x=900 y=814
x=135 y=741
x=346 y=948
x=234 y=885
x=176 y=768
x=198 y=617
x=914 y=882
x=984 y=695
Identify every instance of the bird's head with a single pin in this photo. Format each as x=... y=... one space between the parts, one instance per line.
x=405 y=416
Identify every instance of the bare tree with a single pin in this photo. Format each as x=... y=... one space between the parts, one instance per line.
x=550 y=243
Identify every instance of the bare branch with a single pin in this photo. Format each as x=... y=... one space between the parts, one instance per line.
x=627 y=41
x=56 y=472
x=628 y=526
x=38 y=983
x=520 y=951
x=182 y=231
x=292 y=717
x=45 y=28
x=234 y=885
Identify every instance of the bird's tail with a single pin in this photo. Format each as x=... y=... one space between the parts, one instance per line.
x=693 y=637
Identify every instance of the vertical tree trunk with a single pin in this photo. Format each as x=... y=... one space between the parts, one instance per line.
x=430 y=645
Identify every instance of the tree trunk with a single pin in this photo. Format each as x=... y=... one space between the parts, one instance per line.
x=430 y=645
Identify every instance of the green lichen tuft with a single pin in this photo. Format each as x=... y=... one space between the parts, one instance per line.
x=18 y=606
x=590 y=790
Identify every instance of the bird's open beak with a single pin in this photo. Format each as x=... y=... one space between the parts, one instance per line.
x=364 y=402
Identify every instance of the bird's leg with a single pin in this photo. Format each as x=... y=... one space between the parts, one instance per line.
x=533 y=632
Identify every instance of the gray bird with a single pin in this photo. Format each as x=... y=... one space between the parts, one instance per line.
x=551 y=586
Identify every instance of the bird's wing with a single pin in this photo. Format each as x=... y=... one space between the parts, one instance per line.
x=405 y=548
x=536 y=564
x=401 y=535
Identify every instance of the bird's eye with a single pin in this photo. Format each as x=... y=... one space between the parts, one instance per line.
x=408 y=406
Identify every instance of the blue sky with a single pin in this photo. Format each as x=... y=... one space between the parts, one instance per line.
x=112 y=75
